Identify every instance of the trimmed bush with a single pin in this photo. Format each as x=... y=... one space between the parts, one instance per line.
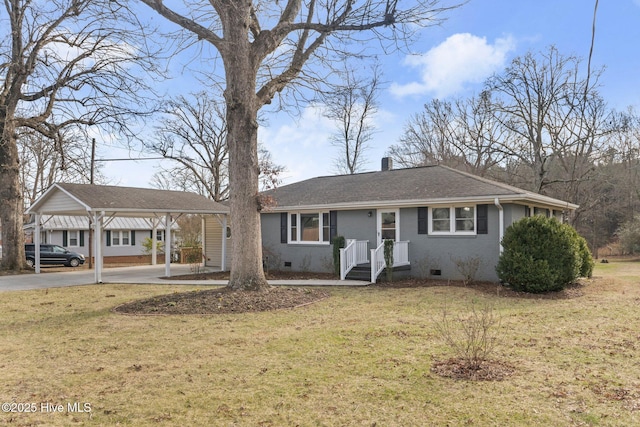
x=338 y=243
x=586 y=269
x=541 y=254
x=388 y=259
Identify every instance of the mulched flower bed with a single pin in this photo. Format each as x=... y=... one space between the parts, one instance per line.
x=224 y=300
x=270 y=275
x=462 y=369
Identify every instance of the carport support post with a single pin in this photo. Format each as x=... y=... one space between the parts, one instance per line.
x=97 y=233
x=167 y=246
x=154 y=243
x=36 y=243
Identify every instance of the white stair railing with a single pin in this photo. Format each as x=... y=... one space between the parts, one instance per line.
x=401 y=253
x=362 y=251
x=377 y=262
x=351 y=255
x=400 y=257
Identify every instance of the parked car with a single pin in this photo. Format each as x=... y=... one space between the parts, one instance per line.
x=53 y=254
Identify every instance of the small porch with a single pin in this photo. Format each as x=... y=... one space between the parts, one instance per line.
x=361 y=263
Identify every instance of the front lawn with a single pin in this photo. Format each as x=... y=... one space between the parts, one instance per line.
x=363 y=356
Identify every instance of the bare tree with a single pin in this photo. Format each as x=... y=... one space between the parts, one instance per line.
x=352 y=106
x=42 y=163
x=269 y=172
x=63 y=63
x=428 y=137
x=264 y=48
x=461 y=134
x=194 y=136
x=552 y=112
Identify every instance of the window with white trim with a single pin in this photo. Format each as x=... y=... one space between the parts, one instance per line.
x=309 y=227
x=73 y=238
x=452 y=220
x=120 y=238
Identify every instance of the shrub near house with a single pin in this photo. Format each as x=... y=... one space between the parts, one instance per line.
x=541 y=254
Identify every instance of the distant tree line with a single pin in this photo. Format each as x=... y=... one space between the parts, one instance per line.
x=541 y=125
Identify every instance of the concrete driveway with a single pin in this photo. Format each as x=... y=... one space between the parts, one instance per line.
x=145 y=274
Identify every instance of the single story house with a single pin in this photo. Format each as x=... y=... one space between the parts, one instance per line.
x=123 y=237
x=437 y=217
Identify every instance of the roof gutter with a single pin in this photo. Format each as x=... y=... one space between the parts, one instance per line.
x=378 y=204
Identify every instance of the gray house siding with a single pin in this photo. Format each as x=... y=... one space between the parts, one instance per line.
x=437 y=238
x=434 y=256
x=357 y=224
x=316 y=257
x=431 y=256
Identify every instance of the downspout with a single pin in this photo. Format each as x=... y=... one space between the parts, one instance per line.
x=500 y=222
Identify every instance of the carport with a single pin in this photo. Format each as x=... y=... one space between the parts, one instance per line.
x=102 y=203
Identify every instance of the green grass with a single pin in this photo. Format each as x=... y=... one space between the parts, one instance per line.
x=361 y=357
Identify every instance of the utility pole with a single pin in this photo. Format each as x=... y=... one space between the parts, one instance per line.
x=93 y=159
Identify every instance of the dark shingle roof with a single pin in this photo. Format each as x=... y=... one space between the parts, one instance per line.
x=398 y=186
x=130 y=199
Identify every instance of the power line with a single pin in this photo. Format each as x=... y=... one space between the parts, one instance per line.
x=130 y=159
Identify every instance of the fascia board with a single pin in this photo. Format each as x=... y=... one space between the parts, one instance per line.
x=153 y=213
x=421 y=202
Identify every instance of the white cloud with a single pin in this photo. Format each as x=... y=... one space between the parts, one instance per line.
x=461 y=59
x=302 y=146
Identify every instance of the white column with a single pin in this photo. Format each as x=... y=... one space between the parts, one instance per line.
x=167 y=245
x=36 y=243
x=97 y=247
x=154 y=242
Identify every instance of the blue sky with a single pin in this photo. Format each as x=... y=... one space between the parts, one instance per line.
x=451 y=60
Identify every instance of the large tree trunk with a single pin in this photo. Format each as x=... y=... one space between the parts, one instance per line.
x=242 y=138
x=11 y=208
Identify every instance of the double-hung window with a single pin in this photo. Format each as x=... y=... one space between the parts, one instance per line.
x=452 y=220
x=73 y=238
x=309 y=227
x=120 y=238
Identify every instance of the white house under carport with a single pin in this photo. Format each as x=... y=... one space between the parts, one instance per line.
x=102 y=203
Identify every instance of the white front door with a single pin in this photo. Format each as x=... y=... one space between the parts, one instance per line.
x=388 y=225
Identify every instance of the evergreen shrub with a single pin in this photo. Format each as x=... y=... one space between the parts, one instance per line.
x=541 y=254
x=338 y=243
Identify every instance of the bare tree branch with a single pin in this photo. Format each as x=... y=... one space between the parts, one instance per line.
x=64 y=65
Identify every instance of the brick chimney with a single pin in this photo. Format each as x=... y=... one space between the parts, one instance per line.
x=387 y=163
